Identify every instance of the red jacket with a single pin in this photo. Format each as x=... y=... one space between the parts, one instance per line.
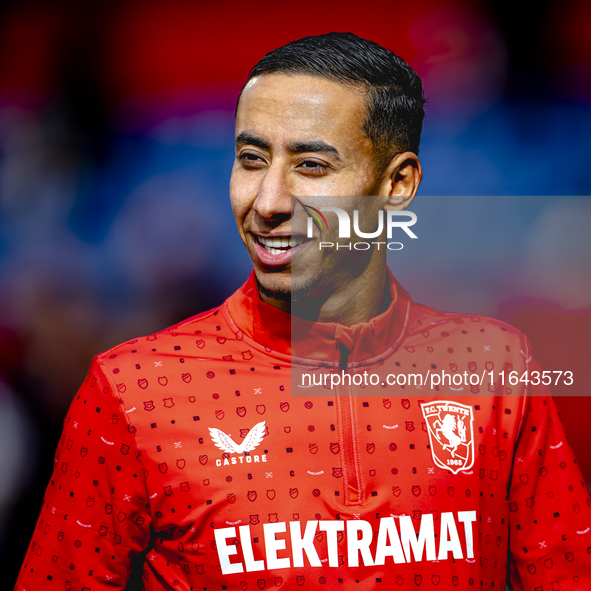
x=201 y=442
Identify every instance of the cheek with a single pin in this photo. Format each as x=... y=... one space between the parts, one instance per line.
x=241 y=196
x=356 y=180
x=365 y=180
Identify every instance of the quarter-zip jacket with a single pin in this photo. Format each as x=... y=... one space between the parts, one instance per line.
x=205 y=443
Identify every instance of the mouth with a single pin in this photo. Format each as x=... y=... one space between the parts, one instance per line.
x=278 y=251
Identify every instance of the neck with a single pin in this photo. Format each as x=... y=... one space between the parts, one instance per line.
x=358 y=300
x=349 y=299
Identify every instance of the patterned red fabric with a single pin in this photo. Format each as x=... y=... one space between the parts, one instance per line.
x=197 y=442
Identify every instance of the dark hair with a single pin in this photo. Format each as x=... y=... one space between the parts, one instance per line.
x=394 y=91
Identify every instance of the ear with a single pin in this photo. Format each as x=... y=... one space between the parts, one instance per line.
x=401 y=180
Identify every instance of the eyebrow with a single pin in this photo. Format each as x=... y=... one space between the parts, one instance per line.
x=320 y=146
x=314 y=146
x=244 y=138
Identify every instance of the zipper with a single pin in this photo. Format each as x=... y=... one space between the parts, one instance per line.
x=349 y=441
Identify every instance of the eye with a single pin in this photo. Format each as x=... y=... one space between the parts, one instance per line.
x=313 y=167
x=250 y=160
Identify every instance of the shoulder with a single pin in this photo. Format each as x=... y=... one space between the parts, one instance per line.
x=427 y=318
x=468 y=335
x=158 y=342
x=140 y=363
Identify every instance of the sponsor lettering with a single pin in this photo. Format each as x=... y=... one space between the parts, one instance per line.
x=400 y=544
x=240 y=460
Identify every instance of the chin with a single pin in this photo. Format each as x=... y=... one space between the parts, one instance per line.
x=274 y=286
x=283 y=286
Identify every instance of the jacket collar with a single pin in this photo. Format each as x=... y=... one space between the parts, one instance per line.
x=321 y=342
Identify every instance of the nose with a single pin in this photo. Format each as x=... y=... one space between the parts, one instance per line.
x=273 y=201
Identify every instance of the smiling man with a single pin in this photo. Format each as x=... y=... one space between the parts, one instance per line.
x=309 y=127
x=197 y=444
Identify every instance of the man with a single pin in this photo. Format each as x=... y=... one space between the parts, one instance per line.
x=192 y=441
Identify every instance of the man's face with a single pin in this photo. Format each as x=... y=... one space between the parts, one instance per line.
x=296 y=136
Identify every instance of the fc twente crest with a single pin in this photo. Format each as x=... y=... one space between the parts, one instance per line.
x=450 y=434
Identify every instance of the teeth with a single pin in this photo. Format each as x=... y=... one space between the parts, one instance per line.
x=273 y=244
